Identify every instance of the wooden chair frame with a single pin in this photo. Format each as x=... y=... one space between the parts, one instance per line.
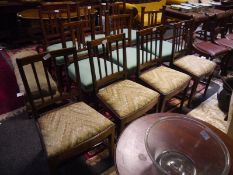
x=107 y=47
x=117 y=23
x=152 y=17
x=182 y=45
x=108 y=133
x=56 y=15
x=153 y=34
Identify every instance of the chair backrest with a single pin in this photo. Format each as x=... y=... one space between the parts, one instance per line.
x=116 y=8
x=149 y=48
x=75 y=31
x=152 y=18
x=51 y=17
x=103 y=70
x=182 y=38
x=48 y=92
x=84 y=13
x=117 y=24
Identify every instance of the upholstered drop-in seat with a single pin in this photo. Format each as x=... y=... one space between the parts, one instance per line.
x=69 y=44
x=224 y=42
x=166 y=49
x=133 y=34
x=229 y=36
x=195 y=65
x=165 y=80
x=85 y=71
x=131 y=57
x=211 y=48
x=65 y=128
x=126 y=98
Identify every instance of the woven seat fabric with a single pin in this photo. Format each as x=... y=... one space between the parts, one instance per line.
x=65 y=128
x=126 y=97
x=211 y=48
x=195 y=65
x=85 y=71
x=131 y=55
x=166 y=49
x=165 y=80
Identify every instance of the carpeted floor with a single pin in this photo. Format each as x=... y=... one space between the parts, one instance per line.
x=9 y=102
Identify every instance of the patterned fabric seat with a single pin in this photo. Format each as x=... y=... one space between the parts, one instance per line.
x=165 y=80
x=127 y=98
x=195 y=65
x=85 y=71
x=65 y=128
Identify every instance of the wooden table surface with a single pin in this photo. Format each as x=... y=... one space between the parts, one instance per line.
x=131 y=154
x=197 y=16
x=33 y=14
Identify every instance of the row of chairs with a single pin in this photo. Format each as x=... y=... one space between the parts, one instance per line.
x=76 y=127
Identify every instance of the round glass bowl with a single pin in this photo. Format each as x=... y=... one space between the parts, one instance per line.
x=184 y=146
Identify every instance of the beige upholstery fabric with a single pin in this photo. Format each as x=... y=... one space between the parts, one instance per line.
x=65 y=128
x=196 y=65
x=165 y=80
x=127 y=97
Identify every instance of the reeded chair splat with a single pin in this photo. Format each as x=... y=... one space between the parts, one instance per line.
x=168 y=82
x=70 y=129
x=124 y=99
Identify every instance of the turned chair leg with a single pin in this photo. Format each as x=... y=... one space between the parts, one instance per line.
x=193 y=92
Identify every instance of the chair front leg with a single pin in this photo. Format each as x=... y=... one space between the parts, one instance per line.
x=111 y=145
x=184 y=96
x=207 y=84
x=162 y=103
x=193 y=91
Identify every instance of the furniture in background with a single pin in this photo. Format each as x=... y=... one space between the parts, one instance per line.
x=69 y=129
x=149 y=6
x=131 y=146
x=124 y=99
x=152 y=17
x=121 y=23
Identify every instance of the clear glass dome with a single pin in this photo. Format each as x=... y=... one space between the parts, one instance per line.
x=184 y=146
